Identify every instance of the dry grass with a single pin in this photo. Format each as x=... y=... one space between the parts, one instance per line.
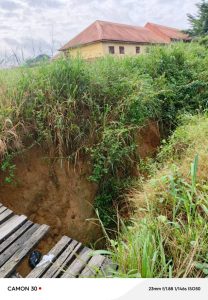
x=169 y=235
x=187 y=141
x=9 y=137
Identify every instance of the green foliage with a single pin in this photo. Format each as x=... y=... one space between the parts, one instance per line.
x=188 y=136
x=110 y=197
x=37 y=60
x=116 y=146
x=199 y=23
x=8 y=168
x=170 y=240
x=96 y=109
x=204 y=41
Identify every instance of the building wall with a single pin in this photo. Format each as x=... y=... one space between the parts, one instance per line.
x=88 y=51
x=100 y=49
x=130 y=49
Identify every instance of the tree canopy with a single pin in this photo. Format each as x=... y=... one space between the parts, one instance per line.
x=36 y=60
x=199 y=23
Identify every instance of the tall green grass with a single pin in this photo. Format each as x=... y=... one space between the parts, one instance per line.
x=171 y=244
x=168 y=236
x=94 y=110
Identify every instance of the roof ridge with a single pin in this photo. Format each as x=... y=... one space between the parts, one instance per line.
x=99 y=29
x=120 y=24
x=112 y=31
x=163 y=26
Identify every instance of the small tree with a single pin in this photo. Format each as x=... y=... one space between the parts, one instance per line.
x=199 y=23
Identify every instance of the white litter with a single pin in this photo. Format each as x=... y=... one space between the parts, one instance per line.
x=46 y=259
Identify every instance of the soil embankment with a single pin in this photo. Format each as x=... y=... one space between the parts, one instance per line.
x=54 y=193
x=59 y=194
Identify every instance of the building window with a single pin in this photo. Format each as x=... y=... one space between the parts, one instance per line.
x=121 y=50
x=138 y=50
x=111 y=49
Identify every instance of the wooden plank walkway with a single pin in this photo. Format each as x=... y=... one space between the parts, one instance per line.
x=67 y=259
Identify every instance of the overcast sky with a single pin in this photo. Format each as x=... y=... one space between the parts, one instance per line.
x=36 y=26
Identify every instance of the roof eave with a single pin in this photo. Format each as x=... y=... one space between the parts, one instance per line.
x=111 y=41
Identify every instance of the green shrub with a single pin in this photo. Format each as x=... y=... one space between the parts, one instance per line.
x=97 y=108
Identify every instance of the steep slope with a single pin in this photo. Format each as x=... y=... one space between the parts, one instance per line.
x=169 y=232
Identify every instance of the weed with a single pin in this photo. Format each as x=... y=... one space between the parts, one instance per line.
x=95 y=109
x=8 y=168
x=171 y=236
x=168 y=235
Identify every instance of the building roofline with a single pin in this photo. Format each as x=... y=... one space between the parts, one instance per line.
x=164 y=26
x=98 y=23
x=100 y=35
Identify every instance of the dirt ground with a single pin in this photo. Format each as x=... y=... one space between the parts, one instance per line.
x=148 y=139
x=59 y=194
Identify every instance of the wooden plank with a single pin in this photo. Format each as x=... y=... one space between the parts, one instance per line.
x=1 y=205
x=38 y=271
x=65 y=258
x=18 y=244
x=15 y=260
x=5 y=215
x=78 y=264
x=108 y=268
x=93 y=266
x=11 y=225
x=69 y=260
x=15 y=236
x=7 y=221
x=2 y=209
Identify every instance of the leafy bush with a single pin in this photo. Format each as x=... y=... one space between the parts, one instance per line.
x=96 y=108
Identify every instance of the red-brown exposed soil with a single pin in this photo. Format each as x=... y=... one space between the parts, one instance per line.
x=59 y=194
x=148 y=139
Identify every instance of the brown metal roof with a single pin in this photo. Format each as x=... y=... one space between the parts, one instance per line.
x=168 y=33
x=107 y=31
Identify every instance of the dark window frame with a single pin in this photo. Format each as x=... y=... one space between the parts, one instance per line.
x=138 y=49
x=121 y=50
x=111 y=49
